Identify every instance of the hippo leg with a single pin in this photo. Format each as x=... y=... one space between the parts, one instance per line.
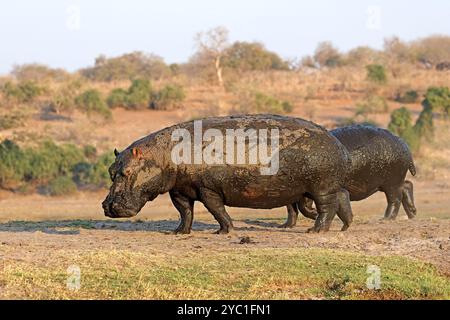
x=327 y=208
x=344 y=209
x=214 y=203
x=408 y=199
x=305 y=205
x=394 y=199
x=185 y=207
x=306 y=208
x=292 y=216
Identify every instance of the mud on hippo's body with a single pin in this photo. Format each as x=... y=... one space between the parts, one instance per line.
x=380 y=162
x=311 y=162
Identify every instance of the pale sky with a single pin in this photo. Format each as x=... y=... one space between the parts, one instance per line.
x=70 y=34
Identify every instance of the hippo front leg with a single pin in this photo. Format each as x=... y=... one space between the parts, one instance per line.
x=326 y=208
x=185 y=207
x=214 y=203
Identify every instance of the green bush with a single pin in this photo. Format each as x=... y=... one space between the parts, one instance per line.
x=93 y=174
x=246 y=56
x=401 y=125
x=62 y=185
x=376 y=73
x=23 y=92
x=90 y=152
x=13 y=163
x=117 y=98
x=139 y=94
x=400 y=121
x=410 y=96
x=49 y=161
x=373 y=104
x=438 y=99
x=168 y=97
x=263 y=103
x=91 y=101
x=424 y=124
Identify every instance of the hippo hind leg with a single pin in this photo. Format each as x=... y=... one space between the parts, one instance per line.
x=344 y=209
x=305 y=206
x=185 y=207
x=408 y=199
x=394 y=198
x=214 y=203
x=292 y=216
x=326 y=207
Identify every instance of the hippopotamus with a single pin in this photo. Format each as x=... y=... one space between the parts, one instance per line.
x=380 y=161
x=305 y=160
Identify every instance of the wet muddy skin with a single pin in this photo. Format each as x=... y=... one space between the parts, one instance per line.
x=312 y=163
x=380 y=162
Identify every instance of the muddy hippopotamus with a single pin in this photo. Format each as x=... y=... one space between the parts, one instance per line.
x=191 y=162
x=380 y=162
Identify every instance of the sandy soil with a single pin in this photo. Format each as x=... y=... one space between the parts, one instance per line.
x=50 y=225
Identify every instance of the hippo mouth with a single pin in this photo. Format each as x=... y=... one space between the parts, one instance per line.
x=114 y=212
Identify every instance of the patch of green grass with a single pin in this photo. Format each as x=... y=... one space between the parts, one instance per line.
x=243 y=273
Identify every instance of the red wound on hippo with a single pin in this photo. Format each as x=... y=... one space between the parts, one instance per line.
x=137 y=152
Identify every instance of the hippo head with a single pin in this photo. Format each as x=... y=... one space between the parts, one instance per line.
x=135 y=181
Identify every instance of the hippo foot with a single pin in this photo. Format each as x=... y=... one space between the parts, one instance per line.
x=181 y=230
x=224 y=230
x=345 y=227
x=286 y=226
x=317 y=229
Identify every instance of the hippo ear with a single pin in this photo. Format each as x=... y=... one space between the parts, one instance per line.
x=116 y=153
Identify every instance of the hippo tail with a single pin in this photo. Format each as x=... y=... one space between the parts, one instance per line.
x=412 y=168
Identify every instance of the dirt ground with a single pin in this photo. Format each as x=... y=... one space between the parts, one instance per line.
x=68 y=223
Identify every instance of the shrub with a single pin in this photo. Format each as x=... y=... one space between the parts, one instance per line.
x=117 y=98
x=38 y=72
x=326 y=55
x=139 y=94
x=410 y=96
x=12 y=120
x=376 y=73
x=90 y=152
x=373 y=104
x=23 y=92
x=438 y=99
x=127 y=67
x=264 y=103
x=50 y=160
x=400 y=121
x=401 y=126
x=62 y=185
x=168 y=97
x=424 y=124
x=91 y=101
x=12 y=163
x=94 y=174
x=246 y=56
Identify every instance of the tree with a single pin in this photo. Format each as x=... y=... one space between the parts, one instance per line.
x=327 y=56
x=130 y=66
x=212 y=45
x=247 y=56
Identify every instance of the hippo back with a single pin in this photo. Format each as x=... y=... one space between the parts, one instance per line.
x=378 y=158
